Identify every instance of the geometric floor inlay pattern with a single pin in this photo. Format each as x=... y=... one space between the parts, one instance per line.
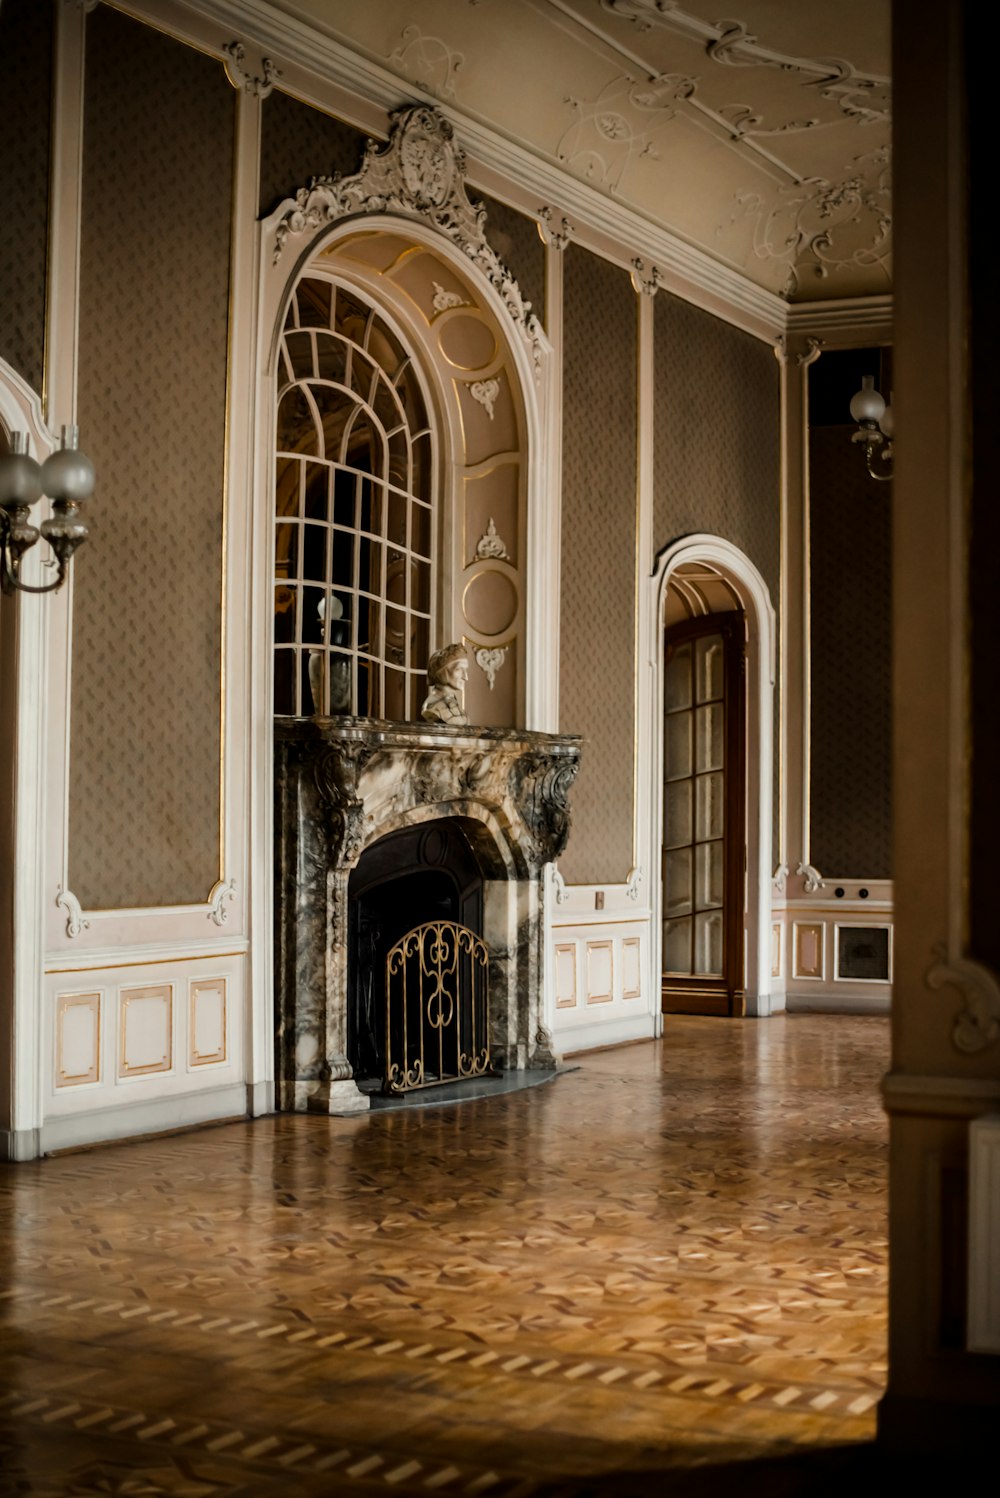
x=668 y=1264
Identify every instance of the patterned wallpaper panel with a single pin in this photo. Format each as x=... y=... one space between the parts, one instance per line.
x=516 y=239
x=297 y=143
x=154 y=313
x=716 y=450
x=850 y=804
x=597 y=666
x=25 y=86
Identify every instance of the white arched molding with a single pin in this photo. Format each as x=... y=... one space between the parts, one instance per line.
x=24 y=639
x=755 y=602
x=311 y=228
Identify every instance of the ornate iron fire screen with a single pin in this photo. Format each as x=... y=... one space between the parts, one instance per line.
x=437 y=1007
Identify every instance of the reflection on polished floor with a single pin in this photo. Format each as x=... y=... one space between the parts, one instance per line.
x=664 y=1272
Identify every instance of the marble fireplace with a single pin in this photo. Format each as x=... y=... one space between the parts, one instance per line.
x=477 y=811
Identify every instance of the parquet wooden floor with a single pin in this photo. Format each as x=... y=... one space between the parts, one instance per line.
x=663 y=1272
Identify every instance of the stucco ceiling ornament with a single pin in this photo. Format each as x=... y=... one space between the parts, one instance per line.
x=420 y=171
x=861 y=96
x=621 y=124
x=428 y=61
x=444 y=301
x=818 y=227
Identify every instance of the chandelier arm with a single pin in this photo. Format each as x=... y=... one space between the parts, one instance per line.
x=880 y=478
x=10 y=582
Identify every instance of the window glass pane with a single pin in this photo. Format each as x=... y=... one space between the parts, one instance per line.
x=288 y=480
x=677 y=686
x=296 y=431
x=286 y=551
x=331 y=358
x=708 y=944
x=284 y=682
x=677 y=947
x=677 y=761
x=677 y=881
x=677 y=814
x=316 y=502
x=314 y=298
x=299 y=351
x=709 y=737
x=352 y=533
x=708 y=875
x=709 y=806
x=708 y=667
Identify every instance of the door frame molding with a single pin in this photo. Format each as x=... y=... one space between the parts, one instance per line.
x=755 y=601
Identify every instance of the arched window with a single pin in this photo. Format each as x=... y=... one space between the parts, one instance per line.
x=354 y=572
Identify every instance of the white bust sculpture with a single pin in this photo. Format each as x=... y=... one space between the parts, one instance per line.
x=447 y=673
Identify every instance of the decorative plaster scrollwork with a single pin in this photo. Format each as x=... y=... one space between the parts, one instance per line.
x=428 y=61
x=559 y=884
x=645 y=284
x=489 y=662
x=491 y=546
x=633 y=883
x=779 y=877
x=820 y=226
x=259 y=87
x=977 y=1023
x=444 y=301
x=557 y=238
x=860 y=96
x=485 y=393
x=620 y=125
x=76 y=923
x=220 y=893
x=420 y=171
x=812 y=879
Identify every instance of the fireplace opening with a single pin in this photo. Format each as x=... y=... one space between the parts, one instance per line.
x=421 y=874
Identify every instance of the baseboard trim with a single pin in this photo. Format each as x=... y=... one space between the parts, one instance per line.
x=260 y=1098
x=133 y=1120
x=19 y=1144
x=588 y=1037
x=825 y=1003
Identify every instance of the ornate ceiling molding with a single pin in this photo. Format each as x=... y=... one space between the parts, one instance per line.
x=420 y=171
x=861 y=96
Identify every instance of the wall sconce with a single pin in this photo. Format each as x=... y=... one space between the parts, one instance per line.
x=67 y=477
x=875 y=426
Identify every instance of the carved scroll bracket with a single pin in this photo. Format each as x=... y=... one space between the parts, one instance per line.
x=258 y=86
x=76 y=922
x=540 y=785
x=977 y=1023
x=812 y=879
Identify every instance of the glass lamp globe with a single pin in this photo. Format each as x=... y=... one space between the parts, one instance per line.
x=20 y=475
x=867 y=405
x=68 y=474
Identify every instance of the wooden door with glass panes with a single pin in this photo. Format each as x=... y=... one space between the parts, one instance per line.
x=704 y=816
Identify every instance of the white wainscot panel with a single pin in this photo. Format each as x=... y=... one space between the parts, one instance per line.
x=600 y=972
x=144 y=1047
x=839 y=950
x=78 y=1039
x=566 y=996
x=208 y=1022
x=603 y=995
x=146 y=1026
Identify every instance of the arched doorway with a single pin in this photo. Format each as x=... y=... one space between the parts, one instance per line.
x=701 y=578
